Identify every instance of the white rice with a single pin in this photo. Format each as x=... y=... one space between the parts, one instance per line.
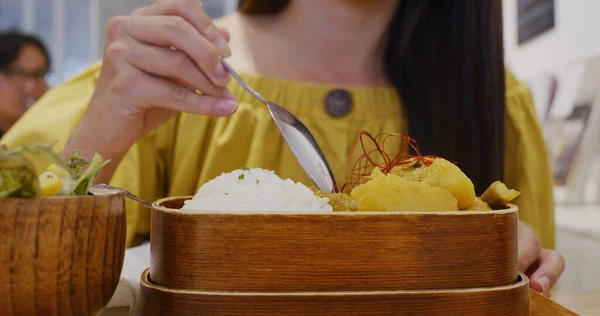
x=258 y=191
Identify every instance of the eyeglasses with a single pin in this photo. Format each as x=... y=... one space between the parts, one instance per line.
x=38 y=75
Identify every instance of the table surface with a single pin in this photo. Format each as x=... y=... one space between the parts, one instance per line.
x=121 y=311
x=583 y=303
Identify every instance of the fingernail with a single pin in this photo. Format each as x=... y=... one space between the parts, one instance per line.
x=220 y=72
x=545 y=283
x=222 y=46
x=210 y=32
x=225 y=107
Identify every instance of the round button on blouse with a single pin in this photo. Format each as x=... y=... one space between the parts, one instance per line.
x=338 y=102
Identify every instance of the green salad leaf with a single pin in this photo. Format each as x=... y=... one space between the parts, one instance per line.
x=18 y=177
x=21 y=167
x=40 y=155
x=75 y=163
x=84 y=180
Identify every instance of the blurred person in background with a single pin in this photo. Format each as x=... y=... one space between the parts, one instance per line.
x=430 y=69
x=24 y=63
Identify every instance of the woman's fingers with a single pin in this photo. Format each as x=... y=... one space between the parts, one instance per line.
x=168 y=32
x=225 y=32
x=145 y=92
x=543 y=266
x=193 y=12
x=160 y=93
x=173 y=64
x=153 y=63
x=550 y=267
x=529 y=247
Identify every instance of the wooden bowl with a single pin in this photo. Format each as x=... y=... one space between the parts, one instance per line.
x=340 y=251
x=60 y=256
x=504 y=300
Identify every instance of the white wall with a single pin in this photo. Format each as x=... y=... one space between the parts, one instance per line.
x=576 y=35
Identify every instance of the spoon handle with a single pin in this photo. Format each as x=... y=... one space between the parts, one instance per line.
x=241 y=81
x=101 y=189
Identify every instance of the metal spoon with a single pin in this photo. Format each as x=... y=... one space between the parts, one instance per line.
x=105 y=189
x=303 y=145
x=298 y=137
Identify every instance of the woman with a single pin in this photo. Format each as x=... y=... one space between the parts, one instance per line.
x=432 y=69
x=24 y=62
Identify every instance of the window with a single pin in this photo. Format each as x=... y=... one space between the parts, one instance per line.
x=44 y=18
x=10 y=14
x=73 y=30
x=77 y=54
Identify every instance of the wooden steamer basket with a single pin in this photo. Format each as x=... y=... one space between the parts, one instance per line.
x=60 y=255
x=222 y=257
x=340 y=251
x=501 y=301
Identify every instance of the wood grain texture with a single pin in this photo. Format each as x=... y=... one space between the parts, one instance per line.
x=332 y=252
x=60 y=256
x=505 y=300
x=539 y=305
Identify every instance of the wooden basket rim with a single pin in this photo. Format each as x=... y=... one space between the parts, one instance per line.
x=158 y=205
x=144 y=281
x=69 y=197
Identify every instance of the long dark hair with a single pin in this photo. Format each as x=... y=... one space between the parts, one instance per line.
x=11 y=44
x=446 y=60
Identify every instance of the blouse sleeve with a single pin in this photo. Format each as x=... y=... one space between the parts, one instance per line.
x=527 y=166
x=55 y=116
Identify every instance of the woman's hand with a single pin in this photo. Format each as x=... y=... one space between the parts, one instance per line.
x=154 y=61
x=542 y=266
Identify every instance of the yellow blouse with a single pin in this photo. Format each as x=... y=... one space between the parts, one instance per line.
x=182 y=154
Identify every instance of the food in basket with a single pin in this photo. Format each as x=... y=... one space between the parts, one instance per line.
x=35 y=171
x=439 y=173
x=498 y=195
x=393 y=193
x=255 y=190
x=404 y=181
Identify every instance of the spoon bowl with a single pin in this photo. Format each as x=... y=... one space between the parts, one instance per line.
x=305 y=148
